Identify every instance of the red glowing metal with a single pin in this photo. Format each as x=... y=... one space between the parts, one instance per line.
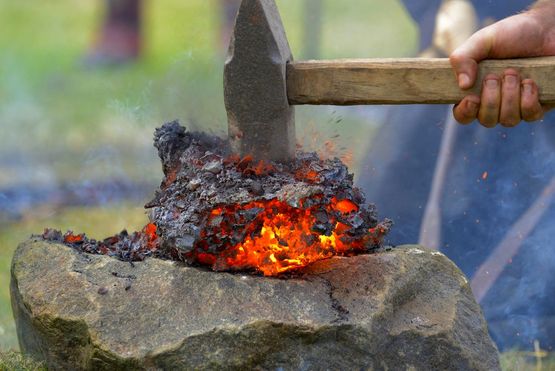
x=280 y=239
x=150 y=236
x=248 y=166
x=70 y=238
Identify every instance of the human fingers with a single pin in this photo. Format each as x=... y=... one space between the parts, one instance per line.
x=530 y=107
x=510 y=115
x=490 y=102
x=498 y=41
x=467 y=110
x=465 y=58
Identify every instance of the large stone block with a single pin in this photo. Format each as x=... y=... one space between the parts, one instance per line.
x=408 y=308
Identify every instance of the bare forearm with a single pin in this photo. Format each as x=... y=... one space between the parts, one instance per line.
x=544 y=12
x=545 y=7
x=542 y=3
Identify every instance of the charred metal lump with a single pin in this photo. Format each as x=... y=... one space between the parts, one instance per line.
x=232 y=213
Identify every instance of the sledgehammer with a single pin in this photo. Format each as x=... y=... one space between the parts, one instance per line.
x=262 y=83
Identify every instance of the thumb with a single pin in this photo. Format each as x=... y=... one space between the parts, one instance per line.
x=466 y=57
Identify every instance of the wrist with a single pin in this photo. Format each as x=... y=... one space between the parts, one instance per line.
x=543 y=10
x=543 y=15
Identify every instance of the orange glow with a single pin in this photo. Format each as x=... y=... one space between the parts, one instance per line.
x=247 y=166
x=344 y=206
x=279 y=237
x=263 y=168
x=308 y=175
x=485 y=175
x=69 y=237
x=149 y=231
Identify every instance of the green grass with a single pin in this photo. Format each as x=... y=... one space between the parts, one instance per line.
x=48 y=101
x=525 y=361
x=13 y=361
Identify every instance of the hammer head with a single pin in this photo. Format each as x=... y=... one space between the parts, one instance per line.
x=261 y=122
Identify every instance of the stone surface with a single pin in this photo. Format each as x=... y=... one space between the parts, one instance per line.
x=404 y=309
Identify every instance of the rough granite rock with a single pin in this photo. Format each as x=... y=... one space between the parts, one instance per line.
x=404 y=309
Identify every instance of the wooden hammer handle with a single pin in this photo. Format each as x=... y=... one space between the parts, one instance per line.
x=401 y=81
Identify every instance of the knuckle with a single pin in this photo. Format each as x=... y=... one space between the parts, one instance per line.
x=532 y=112
x=491 y=105
x=511 y=100
x=535 y=116
x=458 y=111
x=465 y=120
x=456 y=58
x=527 y=107
x=462 y=118
x=510 y=119
x=509 y=123
x=488 y=122
x=487 y=125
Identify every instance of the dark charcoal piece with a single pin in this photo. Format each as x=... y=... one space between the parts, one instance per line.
x=124 y=246
x=257 y=189
x=171 y=140
x=53 y=235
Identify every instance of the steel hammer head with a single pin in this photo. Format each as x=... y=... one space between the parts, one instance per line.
x=261 y=122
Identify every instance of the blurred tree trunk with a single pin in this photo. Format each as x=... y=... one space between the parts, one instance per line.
x=228 y=11
x=124 y=12
x=120 y=37
x=312 y=33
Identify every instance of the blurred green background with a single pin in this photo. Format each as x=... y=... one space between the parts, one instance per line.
x=62 y=122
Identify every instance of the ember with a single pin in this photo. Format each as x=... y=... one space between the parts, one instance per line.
x=275 y=237
x=238 y=214
x=234 y=213
x=124 y=246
